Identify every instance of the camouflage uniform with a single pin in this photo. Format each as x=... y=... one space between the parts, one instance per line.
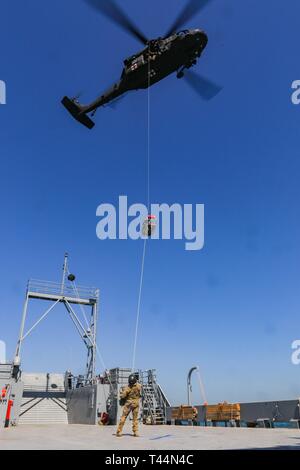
x=132 y=396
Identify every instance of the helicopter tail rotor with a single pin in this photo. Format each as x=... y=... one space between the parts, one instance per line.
x=77 y=112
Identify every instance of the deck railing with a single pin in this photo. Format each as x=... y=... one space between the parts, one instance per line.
x=67 y=290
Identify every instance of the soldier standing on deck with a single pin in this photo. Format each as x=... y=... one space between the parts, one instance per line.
x=130 y=396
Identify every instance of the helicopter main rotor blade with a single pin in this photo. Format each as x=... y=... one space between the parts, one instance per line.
x=112 y=11
x=203 y=86
x=190 y=10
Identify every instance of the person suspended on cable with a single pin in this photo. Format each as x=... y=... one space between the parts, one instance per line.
x=130 y=400
x=149 y=226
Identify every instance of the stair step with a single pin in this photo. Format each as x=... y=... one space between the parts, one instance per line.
x=43 y=412
x=153 y=405
x=38 y=404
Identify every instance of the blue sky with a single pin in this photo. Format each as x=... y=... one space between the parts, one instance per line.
x=233 y=307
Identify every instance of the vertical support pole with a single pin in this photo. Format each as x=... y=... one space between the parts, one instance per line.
x=89 y=373
x=21 y=334
x=94 y=329
x=65 y=269
x=92 y=351
x=91 y=368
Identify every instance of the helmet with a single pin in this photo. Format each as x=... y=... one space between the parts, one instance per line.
x=132 y=379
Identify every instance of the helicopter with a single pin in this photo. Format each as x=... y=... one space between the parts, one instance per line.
x=177 y=51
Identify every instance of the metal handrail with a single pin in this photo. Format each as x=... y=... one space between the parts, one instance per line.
x=158 y=396
x=54 y=288
x=149 y=406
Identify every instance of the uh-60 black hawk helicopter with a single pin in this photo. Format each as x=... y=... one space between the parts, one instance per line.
x=176 y=52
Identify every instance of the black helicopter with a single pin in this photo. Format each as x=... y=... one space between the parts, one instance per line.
x=176 y=52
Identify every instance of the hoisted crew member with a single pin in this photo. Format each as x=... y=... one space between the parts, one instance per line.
x=130 y=400
x=149 y=226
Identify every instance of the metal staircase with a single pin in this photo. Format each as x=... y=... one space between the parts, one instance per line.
x=154 y=401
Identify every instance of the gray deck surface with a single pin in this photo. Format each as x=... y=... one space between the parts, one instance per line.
x=151 y=438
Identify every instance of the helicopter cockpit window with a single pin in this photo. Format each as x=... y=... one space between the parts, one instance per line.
x=183 y=32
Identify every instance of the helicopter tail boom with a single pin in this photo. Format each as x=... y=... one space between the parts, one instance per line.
x=77 y=112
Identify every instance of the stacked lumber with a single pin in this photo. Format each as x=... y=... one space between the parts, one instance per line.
x=184 y=412
x=223 y=412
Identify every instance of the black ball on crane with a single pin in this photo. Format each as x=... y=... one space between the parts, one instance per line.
x=71 y=277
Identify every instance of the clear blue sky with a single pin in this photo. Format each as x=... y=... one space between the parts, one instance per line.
x=234 y=307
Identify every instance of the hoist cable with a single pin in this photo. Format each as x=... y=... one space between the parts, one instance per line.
x=148 y=140
x=148 y=206
x=139 y=306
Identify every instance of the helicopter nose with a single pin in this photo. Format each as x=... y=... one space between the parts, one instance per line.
x=201 y=38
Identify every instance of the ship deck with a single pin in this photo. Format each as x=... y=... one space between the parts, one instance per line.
x=71 y=437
